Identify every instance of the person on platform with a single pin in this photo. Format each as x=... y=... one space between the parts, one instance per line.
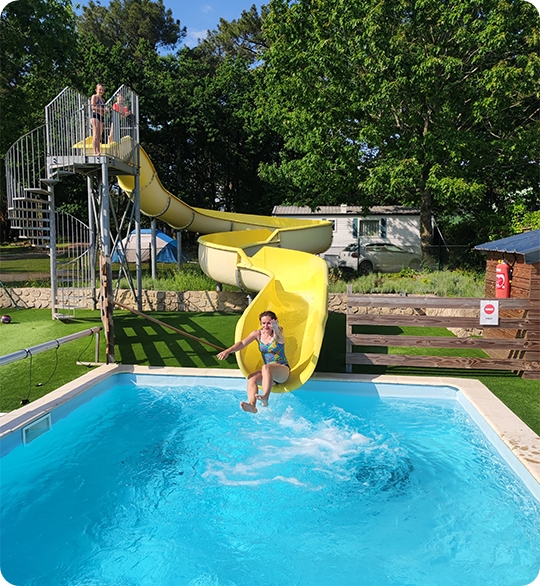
x=119 y=111
x=97 y=118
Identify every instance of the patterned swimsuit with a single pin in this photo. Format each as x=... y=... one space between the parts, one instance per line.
x=273 y=352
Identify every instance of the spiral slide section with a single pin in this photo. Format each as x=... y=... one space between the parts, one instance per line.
x=274 y=256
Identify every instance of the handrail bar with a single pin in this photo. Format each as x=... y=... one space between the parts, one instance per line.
x=21 y=354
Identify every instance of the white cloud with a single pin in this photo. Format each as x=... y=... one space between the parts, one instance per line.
x=193 y=37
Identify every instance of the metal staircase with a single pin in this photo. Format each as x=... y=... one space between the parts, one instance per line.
x=39 y=160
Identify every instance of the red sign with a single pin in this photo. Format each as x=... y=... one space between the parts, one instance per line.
x=489 y=309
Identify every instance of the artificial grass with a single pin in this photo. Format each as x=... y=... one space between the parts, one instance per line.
x=138 y=341
x=40 y=374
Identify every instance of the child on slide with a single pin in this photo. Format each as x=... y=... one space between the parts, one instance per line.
x=276 y=369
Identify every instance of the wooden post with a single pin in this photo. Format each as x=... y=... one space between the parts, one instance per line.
x=106 y=305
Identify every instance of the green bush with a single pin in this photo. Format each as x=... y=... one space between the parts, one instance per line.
x=442 y=283
x=189 y=278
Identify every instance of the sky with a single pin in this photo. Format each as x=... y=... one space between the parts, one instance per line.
x=197 y=15
x=202 y=15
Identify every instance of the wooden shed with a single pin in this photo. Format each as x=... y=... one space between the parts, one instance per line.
x=522 y=253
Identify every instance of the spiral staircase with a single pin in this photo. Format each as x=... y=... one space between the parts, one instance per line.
x=34 y=166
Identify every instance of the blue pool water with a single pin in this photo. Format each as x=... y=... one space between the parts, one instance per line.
x=172 y=486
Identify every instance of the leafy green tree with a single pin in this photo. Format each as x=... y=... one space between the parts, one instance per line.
x=209 y=141
x=126 y=43
x=38 y=48
x=425 y=103
x=197 y=108
x=125 y=22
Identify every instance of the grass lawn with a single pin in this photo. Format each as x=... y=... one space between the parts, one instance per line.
x=138 y=341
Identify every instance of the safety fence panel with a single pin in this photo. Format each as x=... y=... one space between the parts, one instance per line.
x=523 y=351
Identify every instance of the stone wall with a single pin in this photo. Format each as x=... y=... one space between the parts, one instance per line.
x=206 y=301
x=25 y=298
x=195 y=301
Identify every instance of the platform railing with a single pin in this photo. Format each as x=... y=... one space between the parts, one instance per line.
x=122 y=130
x=66 y=121
x=75 y=265
x=69 y=129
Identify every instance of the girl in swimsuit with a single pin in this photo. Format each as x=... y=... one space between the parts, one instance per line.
x=97 y=104
x=275 y=370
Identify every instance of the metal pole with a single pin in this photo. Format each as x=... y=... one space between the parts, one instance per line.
x=8 y=358
x=179 y=248
x=97 y=344
x=52 y=242
x=153 y=254
x=105 y=222
x=134 y=128
x=92 y=226
x=137 y=204
x=106 y=289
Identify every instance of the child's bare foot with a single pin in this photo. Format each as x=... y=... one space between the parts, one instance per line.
x=248 y=407
x=263 y=400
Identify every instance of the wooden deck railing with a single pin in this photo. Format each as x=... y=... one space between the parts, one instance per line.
x=523 y=351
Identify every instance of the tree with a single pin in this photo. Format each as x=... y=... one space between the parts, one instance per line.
x=197 y=111
x=126 y=22
x=239 y=38
x=433 y=104
x=123 y=44
x=38 y=49
x=208 y=143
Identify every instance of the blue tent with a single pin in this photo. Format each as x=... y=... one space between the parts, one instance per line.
x=166 y=248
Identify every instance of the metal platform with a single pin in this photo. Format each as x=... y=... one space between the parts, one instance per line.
x=89 y=165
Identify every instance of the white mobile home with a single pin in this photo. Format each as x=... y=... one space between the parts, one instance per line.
x=393 y=224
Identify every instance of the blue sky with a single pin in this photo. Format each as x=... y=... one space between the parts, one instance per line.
x=202 y=15
x=197 y=15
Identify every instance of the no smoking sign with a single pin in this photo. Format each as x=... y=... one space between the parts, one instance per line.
x=489 y=313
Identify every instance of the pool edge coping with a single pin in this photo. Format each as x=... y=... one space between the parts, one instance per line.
x=521 y=440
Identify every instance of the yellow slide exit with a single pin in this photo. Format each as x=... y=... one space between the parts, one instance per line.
x=274 y=256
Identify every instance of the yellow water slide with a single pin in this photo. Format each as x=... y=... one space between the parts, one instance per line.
x=274 y=256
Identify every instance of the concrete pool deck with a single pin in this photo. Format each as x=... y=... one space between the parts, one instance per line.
x=516 y=435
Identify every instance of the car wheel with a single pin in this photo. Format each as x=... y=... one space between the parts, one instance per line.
x=415 y=264
x=365 y=267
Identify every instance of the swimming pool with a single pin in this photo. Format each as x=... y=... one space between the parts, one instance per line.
x=155 y=477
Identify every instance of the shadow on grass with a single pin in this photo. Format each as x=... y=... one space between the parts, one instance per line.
x=140 y=341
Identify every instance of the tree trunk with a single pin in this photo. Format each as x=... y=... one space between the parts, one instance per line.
x=426 y=228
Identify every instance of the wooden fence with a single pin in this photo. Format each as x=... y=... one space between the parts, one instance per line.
x=522 y=350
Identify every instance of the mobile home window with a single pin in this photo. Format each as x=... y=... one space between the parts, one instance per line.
x=369 y=228
x=333 y=223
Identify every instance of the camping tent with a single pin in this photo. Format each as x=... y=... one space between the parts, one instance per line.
x=166 y=249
